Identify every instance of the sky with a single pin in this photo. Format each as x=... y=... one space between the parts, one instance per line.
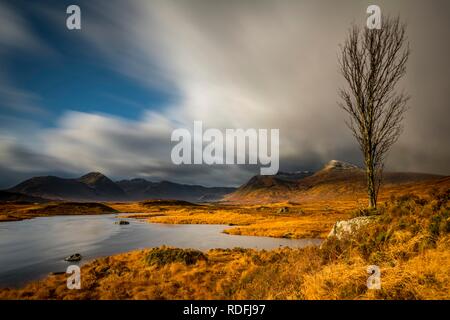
x=107 y=97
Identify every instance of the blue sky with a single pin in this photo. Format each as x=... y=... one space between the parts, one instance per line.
x=73 y=76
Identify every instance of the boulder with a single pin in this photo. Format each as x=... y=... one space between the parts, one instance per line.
x=122 y=222
x=347 y=227
x=73 y=257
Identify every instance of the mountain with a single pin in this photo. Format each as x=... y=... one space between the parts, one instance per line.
x=103 y=186
x=138 y=189
x=292 y=176
x=336 y=180
x=95 y=186
x=56 y=188
x=277 y=184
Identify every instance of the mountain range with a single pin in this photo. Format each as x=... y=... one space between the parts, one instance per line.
x=95 y=186
x=336 y=180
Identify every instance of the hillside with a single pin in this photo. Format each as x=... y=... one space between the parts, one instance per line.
x=20 y=210
x=6 y=196
x=56 y=188
x=103 y=186
x=337 y=180
x=140 y=189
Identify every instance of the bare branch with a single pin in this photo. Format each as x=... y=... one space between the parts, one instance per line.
x=372 y=62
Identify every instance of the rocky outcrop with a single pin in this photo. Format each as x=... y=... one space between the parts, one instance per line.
x=347 y=227
x=73 y=258
x=339 y=165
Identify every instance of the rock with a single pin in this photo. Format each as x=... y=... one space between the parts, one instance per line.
x=73 y=257
x=347 y=227
x=121 y=222
x=339 y=165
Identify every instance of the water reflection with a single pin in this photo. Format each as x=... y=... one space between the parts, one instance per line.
x=30 y=249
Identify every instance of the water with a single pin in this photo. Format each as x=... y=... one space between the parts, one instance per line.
x=31 y=249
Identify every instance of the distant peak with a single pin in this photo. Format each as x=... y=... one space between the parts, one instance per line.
x=92 y=177
x=340 y=165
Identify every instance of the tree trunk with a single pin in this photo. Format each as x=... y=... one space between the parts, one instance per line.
x=371 y=187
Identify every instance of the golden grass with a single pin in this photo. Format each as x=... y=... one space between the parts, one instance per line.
x=425 y=276
x=308 y=220
x=225 y=274
x=307 y=226
x=409 y=241
x=12 y=212
x=20 y=211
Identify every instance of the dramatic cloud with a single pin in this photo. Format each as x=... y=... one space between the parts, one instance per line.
x=243 y=64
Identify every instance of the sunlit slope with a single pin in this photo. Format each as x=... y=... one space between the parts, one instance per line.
x=336 y=181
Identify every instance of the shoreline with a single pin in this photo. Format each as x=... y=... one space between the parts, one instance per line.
x=279 y=220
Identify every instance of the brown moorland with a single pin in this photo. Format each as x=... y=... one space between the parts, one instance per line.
x=14 y=211
x=409 y=240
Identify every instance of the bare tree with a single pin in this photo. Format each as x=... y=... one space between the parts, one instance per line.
x=372 y=62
